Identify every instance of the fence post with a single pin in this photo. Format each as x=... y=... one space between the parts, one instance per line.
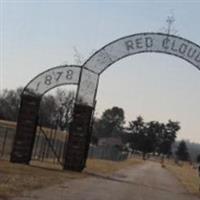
x=4 y=141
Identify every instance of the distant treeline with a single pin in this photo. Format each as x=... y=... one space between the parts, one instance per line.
x=147 y=137
x=55 y=110
x=193 y=149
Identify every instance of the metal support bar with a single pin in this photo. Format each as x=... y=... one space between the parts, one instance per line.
x=51 y=146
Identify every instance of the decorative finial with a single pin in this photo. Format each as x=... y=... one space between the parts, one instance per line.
x=170 y=21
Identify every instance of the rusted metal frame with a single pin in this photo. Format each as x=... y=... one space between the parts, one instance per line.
x=50 y=139
x=51 y=146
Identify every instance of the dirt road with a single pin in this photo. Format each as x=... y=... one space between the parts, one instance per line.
x=144 y=182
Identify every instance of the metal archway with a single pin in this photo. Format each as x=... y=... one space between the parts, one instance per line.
x=131 y=45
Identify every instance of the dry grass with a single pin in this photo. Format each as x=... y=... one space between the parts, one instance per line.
x=187 y=175
x=16 y=178
x=7 y=124
x=61 y=135
x=107 y=166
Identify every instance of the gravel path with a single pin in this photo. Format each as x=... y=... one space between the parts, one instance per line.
x=144 y=182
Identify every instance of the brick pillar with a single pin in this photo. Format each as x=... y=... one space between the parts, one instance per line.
x=76 y=149
x=26 y=130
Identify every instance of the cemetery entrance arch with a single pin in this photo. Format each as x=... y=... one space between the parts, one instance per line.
x=87 y=80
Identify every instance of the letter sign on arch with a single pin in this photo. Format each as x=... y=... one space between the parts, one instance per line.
x=51 y=78
x=130 y=45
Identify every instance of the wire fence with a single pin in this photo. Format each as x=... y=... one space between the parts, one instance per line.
x=6 y=140
x=49 y=146
x=107 y=153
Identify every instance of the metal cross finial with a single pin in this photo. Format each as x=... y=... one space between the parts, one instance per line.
x=169 y=29
x=170 y=20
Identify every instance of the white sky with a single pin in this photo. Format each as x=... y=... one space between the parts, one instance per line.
x=37 y=35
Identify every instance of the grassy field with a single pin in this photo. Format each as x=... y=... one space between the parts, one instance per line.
x=62 y=136
x=187 y=175
x=8 y=124
x=107 y=166
x=16 y=178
